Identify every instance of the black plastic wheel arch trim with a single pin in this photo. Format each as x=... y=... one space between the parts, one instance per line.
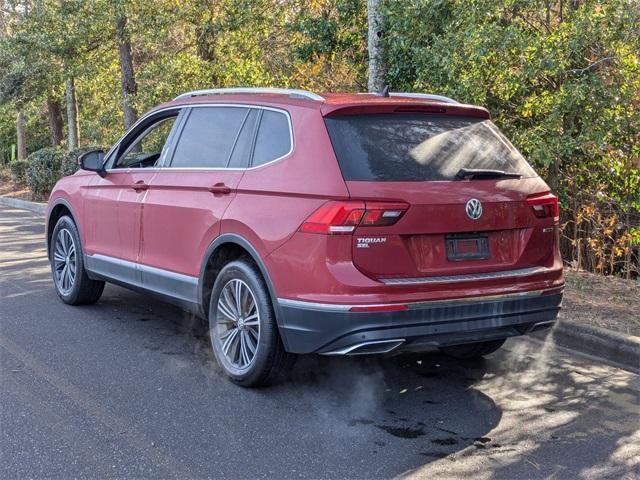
x=233 y=238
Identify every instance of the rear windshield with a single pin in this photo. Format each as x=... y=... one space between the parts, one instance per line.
x=420 y=147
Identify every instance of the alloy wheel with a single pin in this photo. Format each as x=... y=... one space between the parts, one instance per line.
x=238 y=324
x=64 y=261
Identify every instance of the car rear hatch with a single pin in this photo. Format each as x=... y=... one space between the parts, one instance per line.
x=446 y=196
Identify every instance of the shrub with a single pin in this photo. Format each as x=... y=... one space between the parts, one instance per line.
x=70 y=161
x=18 y=169
x=44 y=170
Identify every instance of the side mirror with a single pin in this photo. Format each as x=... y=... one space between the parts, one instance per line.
x=93 y=161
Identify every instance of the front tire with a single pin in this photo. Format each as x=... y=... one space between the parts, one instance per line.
x=70 y=279
x=473 y=350
x=242 y=327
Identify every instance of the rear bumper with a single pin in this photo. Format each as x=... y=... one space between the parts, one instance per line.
x=308 y=327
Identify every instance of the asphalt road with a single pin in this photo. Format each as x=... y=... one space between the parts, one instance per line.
x=128 y=388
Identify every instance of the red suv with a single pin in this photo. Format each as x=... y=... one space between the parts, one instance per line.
x=296 y=223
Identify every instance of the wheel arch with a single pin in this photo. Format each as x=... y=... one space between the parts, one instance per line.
x=59 y=208
x=208 y=273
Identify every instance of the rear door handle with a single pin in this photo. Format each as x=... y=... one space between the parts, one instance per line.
x=220 y=188
x=139 y=186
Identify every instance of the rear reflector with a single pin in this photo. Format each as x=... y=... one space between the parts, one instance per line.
x=544 y=205
x=380 y=308
x=344 y=217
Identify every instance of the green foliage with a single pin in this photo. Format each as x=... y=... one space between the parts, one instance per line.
x=18 y=169
x=562 y=79
x=43 y=171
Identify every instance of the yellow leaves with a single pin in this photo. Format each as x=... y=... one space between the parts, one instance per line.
x=599 y=234
x=618 y=252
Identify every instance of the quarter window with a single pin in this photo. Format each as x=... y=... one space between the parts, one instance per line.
x=274 y=138
x=208 y=137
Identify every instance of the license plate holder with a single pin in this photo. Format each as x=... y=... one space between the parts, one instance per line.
x=467 y=246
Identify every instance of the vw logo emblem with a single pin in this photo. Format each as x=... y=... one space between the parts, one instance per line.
x=473 y=209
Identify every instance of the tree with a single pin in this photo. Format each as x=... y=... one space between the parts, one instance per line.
x=127 y=75
x=376 y=62
x=563 y=80
x=73 y=127
x=21 y=135
x=56 y=124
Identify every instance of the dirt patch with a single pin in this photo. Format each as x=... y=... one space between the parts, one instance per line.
x=8 y=188
x=606 y=302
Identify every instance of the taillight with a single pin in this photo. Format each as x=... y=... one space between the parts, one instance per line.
x=381 y=214
x=344 y=217
x=544 y=205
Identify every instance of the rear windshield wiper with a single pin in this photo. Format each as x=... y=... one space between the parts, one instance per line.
x=469 y=173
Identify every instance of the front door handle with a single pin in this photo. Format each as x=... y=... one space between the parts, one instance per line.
x=139 y=186
x=220 y=188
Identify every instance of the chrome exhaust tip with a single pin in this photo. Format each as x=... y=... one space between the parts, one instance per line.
x=368 y=348
x=542 y=325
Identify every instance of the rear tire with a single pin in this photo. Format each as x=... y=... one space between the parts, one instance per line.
x=473 y=350
x=70 y=278
x=242 y=327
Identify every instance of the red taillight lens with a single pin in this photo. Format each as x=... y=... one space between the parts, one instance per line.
x=382 y=214
x=344 y=217
x=545 y=205
x=334 y=217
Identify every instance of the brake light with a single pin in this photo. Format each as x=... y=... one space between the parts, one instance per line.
x=544 y=205
x=344 y=217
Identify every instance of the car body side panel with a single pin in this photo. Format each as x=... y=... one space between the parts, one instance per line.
x=273 y=200
x=112 y=213
x=70 y=192
x=181 y=217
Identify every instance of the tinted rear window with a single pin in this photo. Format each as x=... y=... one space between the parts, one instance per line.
x=208 y=137
x=419 y=147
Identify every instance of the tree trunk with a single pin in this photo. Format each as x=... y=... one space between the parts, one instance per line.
x=73 y=135
x=553 y=175
x=21 y=136
x=127 y=76
x=376 y=66
x=56 y=124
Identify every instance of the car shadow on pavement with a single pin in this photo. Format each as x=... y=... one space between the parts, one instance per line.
x=423 y=406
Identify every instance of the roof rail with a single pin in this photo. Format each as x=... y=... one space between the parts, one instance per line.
x=292 y=92
x=426 y=96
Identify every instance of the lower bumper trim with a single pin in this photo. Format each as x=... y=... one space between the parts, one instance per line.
x=428 y=324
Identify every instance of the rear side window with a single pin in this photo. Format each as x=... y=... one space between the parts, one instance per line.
x=274 y=138
x=208 y=137
x=419 y=147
